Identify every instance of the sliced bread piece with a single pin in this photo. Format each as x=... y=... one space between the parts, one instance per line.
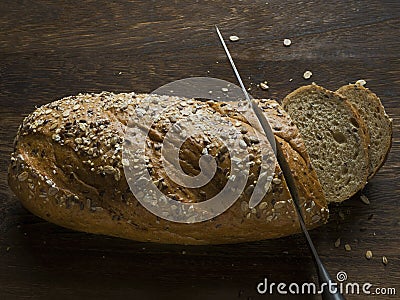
x=335 y=137
x=379 y=125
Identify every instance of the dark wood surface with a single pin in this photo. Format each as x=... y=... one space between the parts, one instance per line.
x=51 y=49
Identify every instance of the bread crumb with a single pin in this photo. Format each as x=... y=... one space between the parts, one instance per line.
x=361 y=82
x=264 y=85
x=307 y=75
x=364 y=199
x=337 y=243
x=287 y=42
x=384 y=260
x=234 y=38
x=368 y=254
x=347 y=247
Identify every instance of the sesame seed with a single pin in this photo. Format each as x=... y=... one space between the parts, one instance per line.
x=109 y=170
x=384 y=260
x=347 y=247
x=287 y=42
x=279 y=204
x=234 y=38
x=368 y=254
x=23 y=176
x=337 y=243
x=307 y=75
x=225 y=90
x=56 y=137
x=276 y=181
x=242 y=144
x=53 y=126
x=243 y=130
x=66 y=113
x=364 y=199
x=361 y=82
x=263 y=205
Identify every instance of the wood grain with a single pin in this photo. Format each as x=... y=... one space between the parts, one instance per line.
x=52 y=49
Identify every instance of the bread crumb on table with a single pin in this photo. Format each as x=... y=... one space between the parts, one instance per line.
x=287 y=42
x=307 y=75
x=364 y=199
x=264 y=85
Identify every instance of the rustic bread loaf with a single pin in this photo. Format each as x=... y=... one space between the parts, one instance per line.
x=67 y=168
x=335 y=137
x=379 y=125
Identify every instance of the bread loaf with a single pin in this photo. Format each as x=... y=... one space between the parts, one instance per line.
x=378 y=123
x=336 y=139
x=67 y=168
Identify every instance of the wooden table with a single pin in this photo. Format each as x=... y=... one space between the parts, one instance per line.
x=51 y=49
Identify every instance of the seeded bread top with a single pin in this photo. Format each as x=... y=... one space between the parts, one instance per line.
x=67 y=168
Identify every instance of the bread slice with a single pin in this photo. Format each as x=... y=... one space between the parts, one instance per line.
x=335 y=137
x=379 y=125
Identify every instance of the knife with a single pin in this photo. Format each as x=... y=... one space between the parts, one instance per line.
x=323 y=275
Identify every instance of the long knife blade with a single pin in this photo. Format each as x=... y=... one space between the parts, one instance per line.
x=257 y=110
x=323 y=274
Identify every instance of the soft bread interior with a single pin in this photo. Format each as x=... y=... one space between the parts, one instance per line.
x=333 y=137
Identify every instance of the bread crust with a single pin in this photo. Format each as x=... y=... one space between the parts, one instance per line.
x=66 y=168
x=361 y=96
